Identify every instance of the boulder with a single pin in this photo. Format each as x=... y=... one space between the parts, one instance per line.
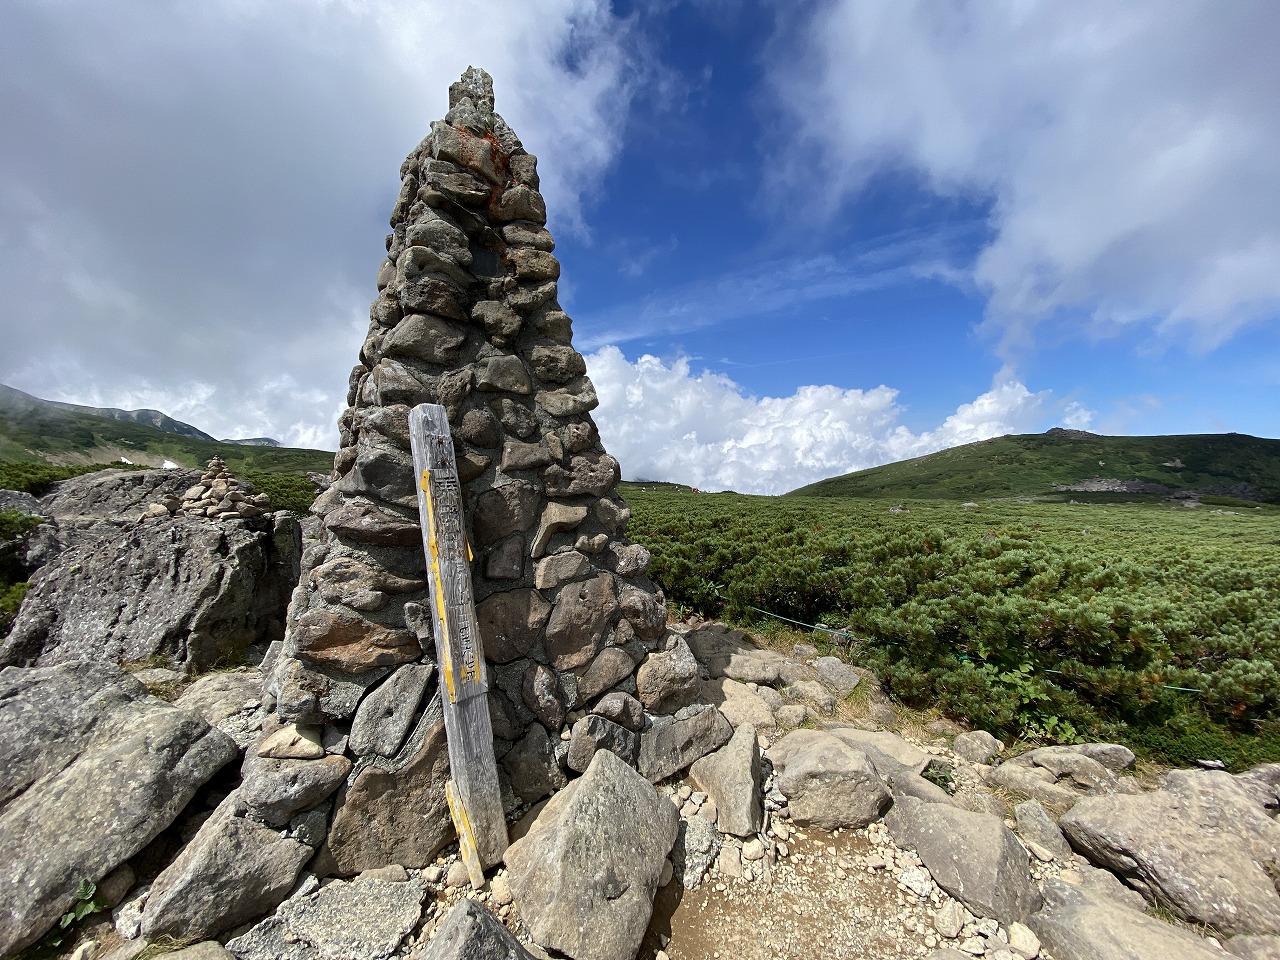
x=470 y=932
x=827 y=783
x=274 y=790
x=233 y=870
x=1200 y=846
x=731 y=778
x=739 y=704
x=668 y=679
x=669 y=747
x=889 y=752
x=114 y=494
x=972 y=856
x=837 y=676
x=384 y=717
x=1036 y=826
x=731 y=653
x=531 y=766
x=585 y=874
x=220 y=696
x=92 y=768
x=192 y=591
x=977 y=746
x=1250 y=947
x=622 y=708
x=1075 y=925
x=592 y=733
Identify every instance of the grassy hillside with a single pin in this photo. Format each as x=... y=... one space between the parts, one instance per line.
x=1033 y=464
x=46 y=433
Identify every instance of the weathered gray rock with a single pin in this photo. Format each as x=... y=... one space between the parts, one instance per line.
x=593 y=733
x=611 y=666
x=114 y=494
x=274 y=790
x=622 y=708
x=578 y=623
x=668 y=748
x=837 y=676
x=361 y=918
x=972 y=856
x=887 y=751
x=730 y=653
x=827 y=783
x=540 y=691
x=1036 y=826
x=1251 y=947
x=398 y=815
x=731 y=777
x=585 y=875
x=531 y=766
x=1198 y=846
x=977 y=746
x=470 y=932
x=195 y=592
x=696 y=848
x=92 y=768
x=668 y=680
x=233 y=870
x=1076 y=926
x=383 y=718
x=739 y=704
x=511 y=623
x=219 y=696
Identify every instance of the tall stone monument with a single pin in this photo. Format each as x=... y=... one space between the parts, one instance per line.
x=575 y=634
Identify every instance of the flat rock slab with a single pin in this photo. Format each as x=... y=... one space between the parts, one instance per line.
x=731 y=653
x=364 y=918
x=585 y=874
x=668 y=748
x=92 y=768
x=972 y=856
x=470 y=932
x=828 y=784
x=1198 y=846
x=1075 y=925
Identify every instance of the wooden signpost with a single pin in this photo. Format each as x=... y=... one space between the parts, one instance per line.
x=474 y=798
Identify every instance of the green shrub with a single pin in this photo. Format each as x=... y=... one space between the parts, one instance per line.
x=288 y=491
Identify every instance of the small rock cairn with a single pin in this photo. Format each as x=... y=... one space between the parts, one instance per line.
x=220 y=496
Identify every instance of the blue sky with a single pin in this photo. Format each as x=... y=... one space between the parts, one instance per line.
x=792 y=245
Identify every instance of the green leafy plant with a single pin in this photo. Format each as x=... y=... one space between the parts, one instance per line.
x=87 y=902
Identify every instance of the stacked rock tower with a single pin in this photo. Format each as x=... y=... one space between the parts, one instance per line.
x=575 y=634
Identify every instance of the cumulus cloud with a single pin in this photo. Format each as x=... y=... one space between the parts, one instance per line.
x=194 y=196
x=663 y=421
x=1130 y=154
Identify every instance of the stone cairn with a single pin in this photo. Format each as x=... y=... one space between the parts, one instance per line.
x=219 y=496
x=576 y=638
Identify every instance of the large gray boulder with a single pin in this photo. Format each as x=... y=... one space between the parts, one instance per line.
x=731 y=778
x=1058 y=776
x=828 y=784
x=470 y=932
x=726 y=652
x=92 y=768
x=195 y=592
x=114 y=494
x=585 y=874
x=234 y=870
x=972 y=856
x=1203 y=846
x=1075 y=925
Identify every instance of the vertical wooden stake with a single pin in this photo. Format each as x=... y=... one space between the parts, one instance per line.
x=475 y=801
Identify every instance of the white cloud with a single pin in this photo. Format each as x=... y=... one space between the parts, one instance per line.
x=665 y=422
x=197 y=193
x=1076 y=416
x=1131 y=153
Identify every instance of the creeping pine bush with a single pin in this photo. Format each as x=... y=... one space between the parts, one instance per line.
x=1048 y=621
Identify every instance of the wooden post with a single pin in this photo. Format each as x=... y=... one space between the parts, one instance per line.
x=475 y=801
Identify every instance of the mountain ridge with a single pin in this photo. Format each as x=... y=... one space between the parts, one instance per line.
x=1063 y=461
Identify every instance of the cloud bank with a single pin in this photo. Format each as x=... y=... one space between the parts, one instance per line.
x=1130 y=153
x=665 y=422
x=193 y=196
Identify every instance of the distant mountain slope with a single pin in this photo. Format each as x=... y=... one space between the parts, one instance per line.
x=1229 y=464
x=35 y=430
x=17 y=400
x=257 y=442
